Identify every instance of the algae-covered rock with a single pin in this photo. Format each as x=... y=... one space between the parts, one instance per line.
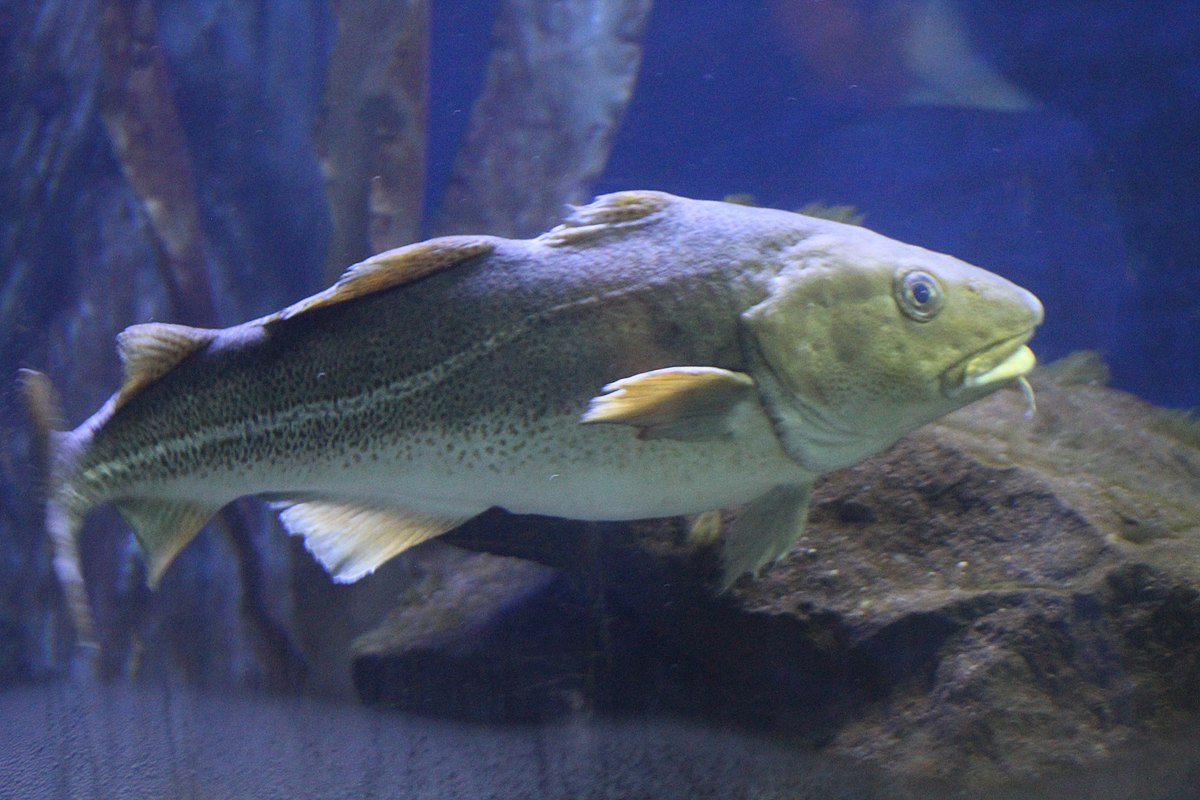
x=995 y=597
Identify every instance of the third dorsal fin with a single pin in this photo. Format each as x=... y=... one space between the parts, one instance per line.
x=393 y=268
x=150 y=350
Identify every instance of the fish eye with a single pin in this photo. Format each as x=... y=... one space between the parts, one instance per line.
x=919 y=295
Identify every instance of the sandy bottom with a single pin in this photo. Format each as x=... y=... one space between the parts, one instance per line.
x=83 y=740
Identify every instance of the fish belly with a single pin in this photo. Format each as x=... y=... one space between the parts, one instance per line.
x=557 y=468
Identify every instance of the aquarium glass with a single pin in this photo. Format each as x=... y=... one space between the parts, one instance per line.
x=599 y=399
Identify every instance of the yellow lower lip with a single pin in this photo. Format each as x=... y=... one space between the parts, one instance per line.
x=979 y=371
x=987 y=369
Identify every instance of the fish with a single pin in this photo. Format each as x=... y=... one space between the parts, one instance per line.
x=650 y=356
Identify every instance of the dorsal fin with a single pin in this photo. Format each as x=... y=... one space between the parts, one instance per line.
x=393 y=268
x=605 y=214
x=151 y=350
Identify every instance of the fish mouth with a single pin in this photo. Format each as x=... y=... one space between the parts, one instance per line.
x=987 y=369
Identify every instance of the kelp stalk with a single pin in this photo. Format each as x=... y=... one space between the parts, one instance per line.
x=371 y=134
x=147 y=136
x=558 y=82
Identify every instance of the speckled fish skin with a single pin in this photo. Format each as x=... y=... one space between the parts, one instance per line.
x=473 y=377
x=407 y=399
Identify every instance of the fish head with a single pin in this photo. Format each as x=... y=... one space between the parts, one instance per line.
x=863 y=339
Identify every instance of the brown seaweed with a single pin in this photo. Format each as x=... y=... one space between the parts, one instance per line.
x=371 y=134
x=558 y=81
x=143 y=123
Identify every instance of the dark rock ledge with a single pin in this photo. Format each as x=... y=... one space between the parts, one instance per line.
x=993 y=598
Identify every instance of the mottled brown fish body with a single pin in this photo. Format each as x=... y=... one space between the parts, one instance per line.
x=650 y=356
x=482 y=370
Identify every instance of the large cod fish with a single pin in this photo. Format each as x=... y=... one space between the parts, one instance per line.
x=650 y=356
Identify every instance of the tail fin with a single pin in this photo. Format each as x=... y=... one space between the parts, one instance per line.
x=56 y=453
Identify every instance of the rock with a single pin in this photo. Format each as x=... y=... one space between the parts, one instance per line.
x=993 y=598
x=478 y=620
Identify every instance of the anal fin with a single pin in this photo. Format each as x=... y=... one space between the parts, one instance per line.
x=352 y=540
x=686 y=403
x=163 y=528
x=764 y=532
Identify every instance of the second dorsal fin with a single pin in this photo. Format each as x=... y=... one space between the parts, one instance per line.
x=150 y=350
x=393 y=268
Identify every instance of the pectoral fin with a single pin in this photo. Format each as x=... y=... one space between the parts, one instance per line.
x=687 y=403
x=353 y=540
x=764 y=532
x=162 y=529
